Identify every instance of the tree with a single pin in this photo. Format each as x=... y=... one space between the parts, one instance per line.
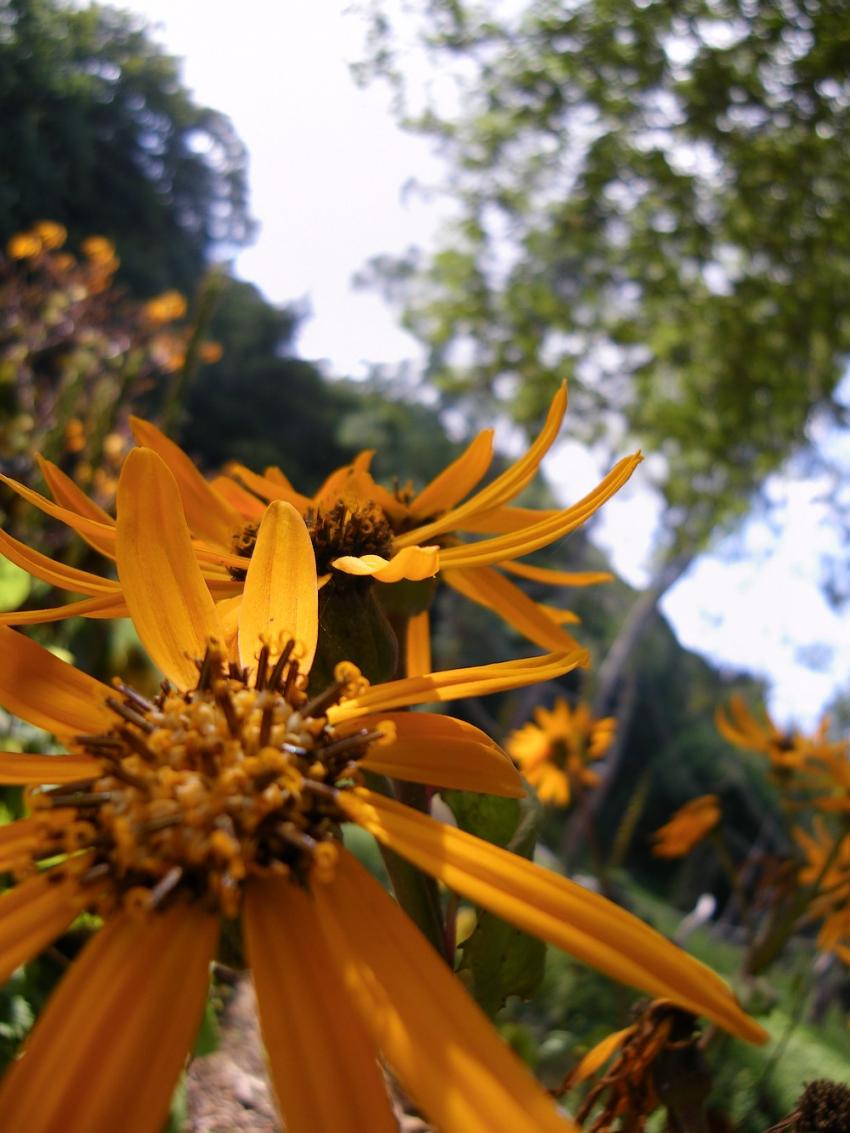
x=652 y=198
x=100 y=134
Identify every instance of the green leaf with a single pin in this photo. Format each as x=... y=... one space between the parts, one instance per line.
x=500 y=960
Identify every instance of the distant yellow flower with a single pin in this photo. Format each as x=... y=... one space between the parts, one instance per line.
x=553 y=753
x=827 y=864
x=688 y=826
x=51 y=234
x=223 y=796
x=361 y=531
x=165 y=308
x=23 y=245
x=98 y=250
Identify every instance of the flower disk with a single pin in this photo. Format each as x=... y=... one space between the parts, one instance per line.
x=203 y=789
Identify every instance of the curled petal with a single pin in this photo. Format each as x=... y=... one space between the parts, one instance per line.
x=413 y=564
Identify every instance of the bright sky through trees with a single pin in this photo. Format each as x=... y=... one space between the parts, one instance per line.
x=327 y=172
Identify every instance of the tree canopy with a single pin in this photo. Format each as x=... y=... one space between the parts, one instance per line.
x=649 y=197
x=100 y=134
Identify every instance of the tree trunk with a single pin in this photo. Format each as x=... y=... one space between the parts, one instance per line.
x=616 y=696
x=614 y=666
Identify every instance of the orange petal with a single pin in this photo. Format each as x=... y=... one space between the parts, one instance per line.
x=504 y=487
x=101 y=536
x=55 y=573
x=413 y=564
x=436 y=1039
x=500 y=520
x=268 y=489
x=535 y=536
x=443 y=752
x=70 y=495
x=244 y=502
x=495 y=592
x=322 y=1059
x=106 y=1052
x=104 y=606
x=207 y=512
x=454 y=684
x=457 y=480
x=32 y=915
x=48 y=692
x=541 y=902
x=599 y=1055
x=418 y=645
x=20 y=769
x=166 y=594
x=559 y=577
x=281 y=597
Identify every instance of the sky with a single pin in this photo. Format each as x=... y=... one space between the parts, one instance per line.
x=329 y=179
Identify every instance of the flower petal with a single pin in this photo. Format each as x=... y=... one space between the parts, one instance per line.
x=541 y=902
x=559 y=577
x=412 y=563
x=48 y=692
x=599 y=1055
x=207 y=512
x=500 y=520
x=268 y=489
x=166 y=594
x=442 y=752
x=495 y=592
x=322 y=1059
x=242 y=501
x=70 y=495
x=504 y=487
x=535 y=536
x=106 y=1052
x=103 y=606
x=457 y=480
x=21 y=769
x=281 y=598
x=437 y=1040
x=456 y=683
x=418 y=645
x=32 y=915
x=52 y=572
x=101 y=536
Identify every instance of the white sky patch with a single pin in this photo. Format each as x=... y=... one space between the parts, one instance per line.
x=327 y=170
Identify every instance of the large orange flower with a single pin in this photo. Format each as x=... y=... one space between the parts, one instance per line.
x=223 y=797
x=359 y=530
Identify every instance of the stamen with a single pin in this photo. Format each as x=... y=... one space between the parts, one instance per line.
x=280 y=663
x=129 y=715
x=137 y=744
x=132 y=694
x=162 y=888
x=354 y=740
x=323 y=699
x=80 y=798
x=225 y=703
x=262 y=668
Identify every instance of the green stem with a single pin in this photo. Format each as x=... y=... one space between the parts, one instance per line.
x=210 y=292
x=416 y=892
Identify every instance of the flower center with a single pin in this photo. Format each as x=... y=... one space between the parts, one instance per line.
x=200 y=790
x=343 y=529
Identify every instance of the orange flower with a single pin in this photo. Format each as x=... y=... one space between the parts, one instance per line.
x=553 y=753
x=361 y=531
x=688 y=826
x=223 y=796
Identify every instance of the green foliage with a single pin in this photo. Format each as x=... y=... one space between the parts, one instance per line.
x=651 y=198
x=100 y=134
x=500 y=960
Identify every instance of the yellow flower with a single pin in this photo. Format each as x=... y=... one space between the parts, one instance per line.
x=223 y=796
x=553 y=753
x=688 y=826
x=164 y=308
x=361 y=531
x=51 y=234
x=827 y=863
x=23 y=245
